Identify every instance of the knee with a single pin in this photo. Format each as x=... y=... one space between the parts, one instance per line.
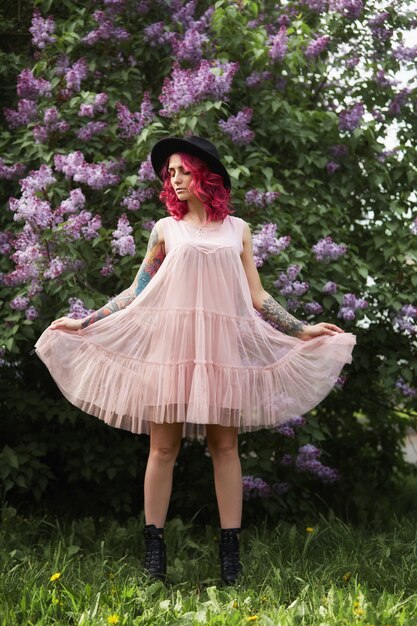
x=221 y=450
x=164 y=454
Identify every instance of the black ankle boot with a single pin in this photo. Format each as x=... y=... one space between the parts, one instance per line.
x=230 y=564
x=155 y=552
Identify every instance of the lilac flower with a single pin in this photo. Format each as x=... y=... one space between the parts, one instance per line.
x=385 y=154
x=236 y=126
x=307 y=460
x=27 y=111
x=148 y=225
x=405 y=319
x=413 y=227
x=91 y=129
x=106 y=30
x=289 y=286
x=317 y=46
x=9 y=172
x=255 y=488
x=77 y=309
x=330 y=287
x=348 y=8
x=123 y=243
x=31 y=209
x=41 y=30
x=190 y=86
x=281 y=488
x=131 y=124
x=314 y=308
x=72 y=204
x=399 y=100
x=350 y=118
x=378 y=31
x=95 y=175
x=19 y=303
x=31 y=313
x=261 y=199
x=155 y=34
x=257 y=78
x=190 y=48
x=107 y=268
x=265 y=243
x=52 y=125
x=318 y=6
x=278 y=44
x=98 y=106
x=6 y=239
x=286 y=431
x=82 y=225
x=287 y=459
x=136 y=197
x=352 y=62
x=339 y=151
x=56 y=268
x=74 y=75
x=32 y=88
x=146 y=171
x=326 y=249
x=340 y=381
x=331 y=167
x=403 y=53
x=37 y=180
x=350 y=304
x=405 y=388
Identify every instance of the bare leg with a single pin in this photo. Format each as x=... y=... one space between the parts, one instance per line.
x=164 y=447
x=223 y=447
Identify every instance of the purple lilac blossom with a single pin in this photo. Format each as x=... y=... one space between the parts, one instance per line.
x=107 y=268
x=257 y=78
x=287 y=460
x=190 y=47
x=281 y=487
x=236 y=126
x=350 y=304
x=403 y=53
x=73 y=77
x=90 y=130
x=261 y=199
x=156 y=35
x=32 y=88
x=278 y=44
x=405 y=388
x=72 y=204
x=405 y=319
x=77 y=309
x=31 y=313
x=399 y=100
x=146 y=171
x=327 y=250
x=55 y=268
x=83 y=225
x=286 y=431
x=95 y=175
x=98 y=106
x=131 y=124
x=307 y=460
x=255 y=488
x=52 y=124
x=339 y=151
x=330 y=287
x=265 y=243
x=317 y=46
x=123 y=243
x=9 y=172
x=413 y=226
x=348 y=8
x=106 y=30
x=20 y=303
x=148 y=225
x=190 y=86
x=6 y=240
x=318 y=6
x=314 y=308
x=352 y=62
x=27 y=111
x=350 y=118
x=136 y=197
x=31 y=209
x=41 y=30
x=331 y=167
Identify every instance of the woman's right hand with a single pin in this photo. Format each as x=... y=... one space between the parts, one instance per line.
x=66 y=322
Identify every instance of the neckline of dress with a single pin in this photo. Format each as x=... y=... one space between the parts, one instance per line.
x=203 y=228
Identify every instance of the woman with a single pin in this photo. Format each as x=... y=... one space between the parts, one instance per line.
x=187 y=354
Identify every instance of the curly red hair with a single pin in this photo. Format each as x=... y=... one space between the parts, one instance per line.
x=206 y=185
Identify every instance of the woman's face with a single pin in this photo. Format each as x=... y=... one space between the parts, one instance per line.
x=180 y=178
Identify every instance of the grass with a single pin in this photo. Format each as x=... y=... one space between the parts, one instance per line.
x=334 y=574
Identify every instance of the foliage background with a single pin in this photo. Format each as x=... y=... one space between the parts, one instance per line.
x=53 y=453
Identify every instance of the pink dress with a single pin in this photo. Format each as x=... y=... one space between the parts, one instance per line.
x=191 y=348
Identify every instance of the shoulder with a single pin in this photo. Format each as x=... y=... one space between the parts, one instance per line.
x=242 y=225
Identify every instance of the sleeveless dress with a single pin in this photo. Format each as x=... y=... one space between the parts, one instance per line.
x=191 y=348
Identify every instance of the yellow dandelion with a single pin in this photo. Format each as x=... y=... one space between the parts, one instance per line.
x=113 y=619
x=309 y=529
x=356 y=604
x=264 y=599
x=55 y=576
x=347 y=576
x=235 y=604
x=252 y=618
x=359 y=612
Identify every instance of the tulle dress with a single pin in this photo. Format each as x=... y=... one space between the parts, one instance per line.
x=191 y=348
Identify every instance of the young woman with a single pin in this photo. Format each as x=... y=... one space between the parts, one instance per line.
x=183 y=351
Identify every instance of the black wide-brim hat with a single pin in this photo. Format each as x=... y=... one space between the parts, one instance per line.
x=194 y=145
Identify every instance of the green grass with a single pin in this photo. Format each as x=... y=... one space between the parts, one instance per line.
x=336 y=574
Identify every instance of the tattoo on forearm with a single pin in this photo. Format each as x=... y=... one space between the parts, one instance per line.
x=154 y=257
x=272 y=310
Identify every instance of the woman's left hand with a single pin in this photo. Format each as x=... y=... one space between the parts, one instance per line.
x=316 y=330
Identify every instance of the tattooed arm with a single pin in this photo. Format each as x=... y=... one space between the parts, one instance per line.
x=151 y=263
x=269 y=308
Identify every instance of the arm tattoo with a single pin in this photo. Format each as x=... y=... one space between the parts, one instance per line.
x=151 y=264
x=286 y=323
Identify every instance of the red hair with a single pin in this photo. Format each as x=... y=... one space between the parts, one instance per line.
x=206 y=185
